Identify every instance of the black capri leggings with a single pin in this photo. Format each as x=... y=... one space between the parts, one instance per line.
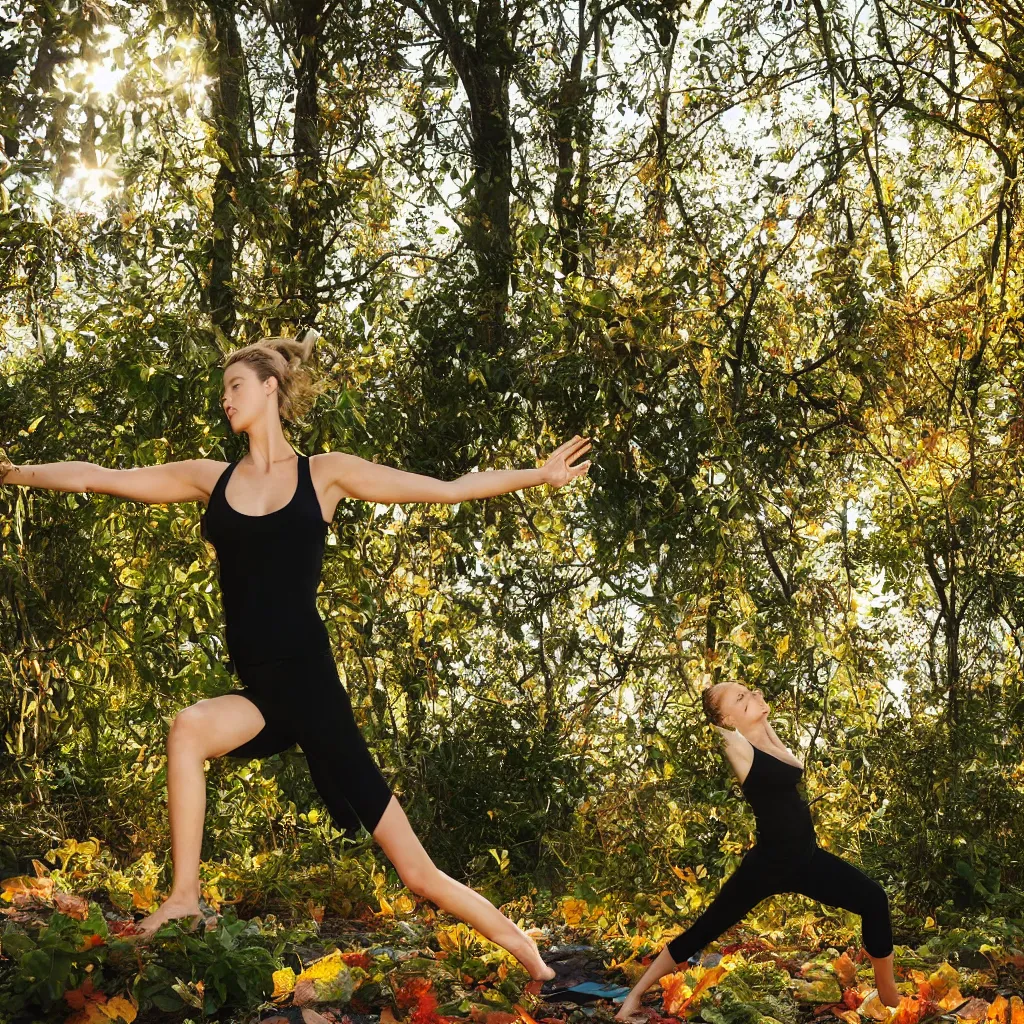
x=303 y=701
x=822 y=876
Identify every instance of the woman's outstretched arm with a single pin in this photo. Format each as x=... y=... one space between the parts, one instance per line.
x=368 y=481
x=154 y=485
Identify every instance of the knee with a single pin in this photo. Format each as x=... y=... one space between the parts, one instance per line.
x=875 y=901
x=421 y=878
x=188 y=728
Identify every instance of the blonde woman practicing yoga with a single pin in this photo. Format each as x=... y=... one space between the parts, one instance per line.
x=267 y=516
x=786 y=856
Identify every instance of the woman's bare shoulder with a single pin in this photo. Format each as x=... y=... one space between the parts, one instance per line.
x=739 y=751
x=206 y=473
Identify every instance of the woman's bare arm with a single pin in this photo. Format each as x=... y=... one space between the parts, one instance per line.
x=739 y=751
x=188 y=480
x=359 y=478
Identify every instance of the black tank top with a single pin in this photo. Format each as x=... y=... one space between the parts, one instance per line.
x=269 y=569
x=784 y=824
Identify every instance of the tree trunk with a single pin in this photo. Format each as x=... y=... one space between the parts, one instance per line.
x=305 y=244
x=226 y=97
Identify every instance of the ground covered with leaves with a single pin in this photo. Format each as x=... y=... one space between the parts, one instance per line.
x=74 y=957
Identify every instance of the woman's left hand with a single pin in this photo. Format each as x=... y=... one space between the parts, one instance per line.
x=557 y=471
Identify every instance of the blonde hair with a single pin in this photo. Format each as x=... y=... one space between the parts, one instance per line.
x=281 y=357
x=712 y=711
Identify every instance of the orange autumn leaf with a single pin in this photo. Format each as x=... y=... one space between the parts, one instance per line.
x=92 y=1013
x=1016 y=1010
x=76 y=998
x=144 y=898
x=677 y=994
x=26 y=885
x=999 y=1010
x=909 y=1011
x=709 y=978
x=119 y=1008
x=71 y=905
x=524 y=1016
x=92 y=1006
x=852 y=998
x=419 y=994
x=952 y=998
x=675 y=991
x=846 y=970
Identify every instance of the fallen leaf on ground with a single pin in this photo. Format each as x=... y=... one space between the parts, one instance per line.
x=846 y=970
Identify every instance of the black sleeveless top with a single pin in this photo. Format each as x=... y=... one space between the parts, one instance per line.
x=269 y=569
x=784 y=824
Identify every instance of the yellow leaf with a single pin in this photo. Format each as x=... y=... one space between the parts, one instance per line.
x=404 y=905
x=119 y=1008
x=284 y=982
x=323 y=969
x=574 y=911
x=941 y=979
x=143 y=899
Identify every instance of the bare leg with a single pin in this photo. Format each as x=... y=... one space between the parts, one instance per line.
x=663 y=964
x=423 y=877
x=750 y=883
x=207 y=729
x=885 y=980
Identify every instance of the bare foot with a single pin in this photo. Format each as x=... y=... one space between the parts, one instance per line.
x=630 y=1008
x=171 y=908
x=889 y=995
x=529 y=956
x=539 y=971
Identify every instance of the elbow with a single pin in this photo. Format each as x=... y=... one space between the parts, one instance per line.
x=88 y=478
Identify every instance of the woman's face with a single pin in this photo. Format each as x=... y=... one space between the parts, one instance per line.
x=741 y=706
x=245 y=398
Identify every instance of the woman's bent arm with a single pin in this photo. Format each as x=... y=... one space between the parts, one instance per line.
x=154 y=485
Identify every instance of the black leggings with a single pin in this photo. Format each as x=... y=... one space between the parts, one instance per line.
x=303 y=701
x=820 y=875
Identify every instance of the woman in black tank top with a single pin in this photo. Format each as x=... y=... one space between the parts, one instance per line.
x=786 y=856
x=267 y=524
